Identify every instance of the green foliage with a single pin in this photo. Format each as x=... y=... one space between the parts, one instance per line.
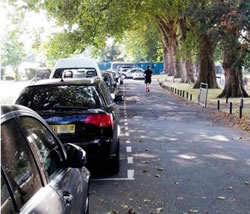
x=12 y=52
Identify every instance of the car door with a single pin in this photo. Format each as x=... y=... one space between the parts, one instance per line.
x=23 y=188
x=70 y=183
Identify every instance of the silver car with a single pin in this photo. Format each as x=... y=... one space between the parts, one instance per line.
x=38 y=173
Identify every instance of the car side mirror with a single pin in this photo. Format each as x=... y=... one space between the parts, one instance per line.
x=76 y=156
x=119 y=98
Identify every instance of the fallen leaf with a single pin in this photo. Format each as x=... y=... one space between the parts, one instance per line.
x=144 y=171
x=230 y=188
x=247 y=183
x=125 y=206
x=176 y=183
x=112 y=212
x=221 y=198
x=131 y=199
x=131 y=211
x=179 y=198
x=159 y=169
x=157 y=176
x=146 y=200
x=204 y=197
x=158 y=210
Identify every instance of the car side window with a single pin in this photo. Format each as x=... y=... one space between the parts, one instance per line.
x=41 y=139
x=18 y=163
x=106 y=94
x=6 y=201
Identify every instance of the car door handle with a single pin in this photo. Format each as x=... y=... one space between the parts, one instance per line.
x=67 y=198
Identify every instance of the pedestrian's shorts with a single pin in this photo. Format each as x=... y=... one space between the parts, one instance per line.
x=147 y=80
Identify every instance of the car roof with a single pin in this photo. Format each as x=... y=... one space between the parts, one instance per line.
x=6 y=109
x=69 y=81
x=76 y=62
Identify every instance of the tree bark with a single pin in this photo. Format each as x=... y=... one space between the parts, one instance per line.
x=187 y=70
x=169 y=41
x=206 y=63
x=232 y=66
x=186 y=60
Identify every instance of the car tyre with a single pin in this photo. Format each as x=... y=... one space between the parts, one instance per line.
x=114 y=163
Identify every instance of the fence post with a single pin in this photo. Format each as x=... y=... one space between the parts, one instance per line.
x=241 y=102
x=218 y=105
x=191 y=97
x=231 y=108
x=226 y=100
x=241 y=112
x=187 y=95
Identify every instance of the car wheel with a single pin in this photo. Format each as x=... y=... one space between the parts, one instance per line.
x=114 y=164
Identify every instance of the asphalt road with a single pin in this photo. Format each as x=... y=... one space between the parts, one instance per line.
x=174 y=160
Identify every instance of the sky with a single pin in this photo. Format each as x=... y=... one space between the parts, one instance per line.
x=33 y=21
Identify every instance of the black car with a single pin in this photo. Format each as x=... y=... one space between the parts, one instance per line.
x=80 y=111
x=110 y=82
x=38 y=173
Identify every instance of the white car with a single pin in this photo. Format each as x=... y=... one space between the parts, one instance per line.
x=77 y=67
x=139 y=74
x=129 y=73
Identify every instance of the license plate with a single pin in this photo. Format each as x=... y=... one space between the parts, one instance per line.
x=63 y=129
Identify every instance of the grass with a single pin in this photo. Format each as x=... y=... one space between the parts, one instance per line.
x=212 y=97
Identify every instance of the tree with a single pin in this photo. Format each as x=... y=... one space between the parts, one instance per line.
x=12 y=52
x=234 y=22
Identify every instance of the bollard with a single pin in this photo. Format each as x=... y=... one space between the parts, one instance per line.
x=178 y=92
x=241 y=102
x=218 y=105
x=175 y=90
x=226 y=100
x=183 y=95
x=231 y=108
x=240 y=112
x=191 y=97
x=187 y=95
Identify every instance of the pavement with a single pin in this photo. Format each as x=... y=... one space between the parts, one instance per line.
x=175 y=159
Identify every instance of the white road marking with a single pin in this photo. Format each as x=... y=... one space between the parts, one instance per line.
x=125 y=120
x=128 y=141
x=126 y=128
x=125 y=123
x=131 y=174
x=130 y=160
x=127 y=134
x=114 y=179
x=129 y=149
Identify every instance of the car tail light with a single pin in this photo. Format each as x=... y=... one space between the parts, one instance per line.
x=100 y=120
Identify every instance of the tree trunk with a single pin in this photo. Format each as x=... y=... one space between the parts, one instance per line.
x=187 y=70
x=206 y=63
x=165 y=59
x=233 y=69
x=169 y=41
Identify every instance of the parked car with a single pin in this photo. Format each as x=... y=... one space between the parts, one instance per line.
x=108 y=78
x=80 y=111
x=129 y=73
x=38 y=173
x=76 y=68
x=139 y=74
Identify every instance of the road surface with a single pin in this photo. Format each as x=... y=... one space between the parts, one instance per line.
x=174 y=160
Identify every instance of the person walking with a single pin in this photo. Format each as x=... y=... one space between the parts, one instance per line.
x=148 y=73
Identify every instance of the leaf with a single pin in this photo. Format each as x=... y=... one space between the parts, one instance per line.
x=157 y=176
x=158 y=210
x=247 y=183
x=221 y=198
x=159 y=169
x=230 y=188
x=192 y=211
x=146 y=200
x=179 y=198
x=125 y=206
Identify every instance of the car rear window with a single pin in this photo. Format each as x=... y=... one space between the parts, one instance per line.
x=52 y=97
x=76 y=72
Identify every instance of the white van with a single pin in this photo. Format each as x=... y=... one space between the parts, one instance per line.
x=76 y=67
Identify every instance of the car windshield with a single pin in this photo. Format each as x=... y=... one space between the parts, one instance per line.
x=64 y=97
x=75 y=72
